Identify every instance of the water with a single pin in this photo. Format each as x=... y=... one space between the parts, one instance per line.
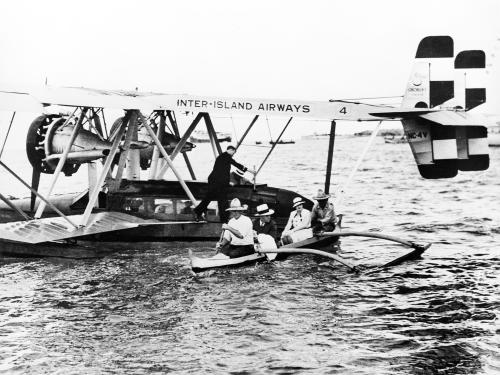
x=141 y=310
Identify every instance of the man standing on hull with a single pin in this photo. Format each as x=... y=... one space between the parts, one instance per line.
x=218 y=181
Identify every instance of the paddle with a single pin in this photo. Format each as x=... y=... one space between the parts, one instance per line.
x=220 y=240
x=310 y=251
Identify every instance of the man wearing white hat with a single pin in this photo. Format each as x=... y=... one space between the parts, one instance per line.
x=264 y=224
x=298 y=227
x=238 y=233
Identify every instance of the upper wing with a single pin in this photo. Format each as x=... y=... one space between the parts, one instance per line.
x=134 y=100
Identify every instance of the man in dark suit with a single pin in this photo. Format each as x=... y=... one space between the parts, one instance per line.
x=264 y=224
x=218 y=181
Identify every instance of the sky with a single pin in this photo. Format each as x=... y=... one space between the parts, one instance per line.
x=314 y=50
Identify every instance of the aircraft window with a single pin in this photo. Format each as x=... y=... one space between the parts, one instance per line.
x=133 y=205
x=166 y=208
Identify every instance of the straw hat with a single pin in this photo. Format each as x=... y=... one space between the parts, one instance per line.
x=264 y=210
x=297 y=201
x=236 y=206
x=321 y=196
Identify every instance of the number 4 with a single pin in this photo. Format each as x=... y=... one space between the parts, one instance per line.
x=343 y=110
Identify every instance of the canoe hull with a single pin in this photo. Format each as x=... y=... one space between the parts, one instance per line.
x=204 y=264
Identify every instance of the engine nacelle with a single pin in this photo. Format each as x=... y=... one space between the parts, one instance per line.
x=47 y=138
x=168 y=141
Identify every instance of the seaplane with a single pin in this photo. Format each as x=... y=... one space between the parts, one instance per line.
x=444 y=137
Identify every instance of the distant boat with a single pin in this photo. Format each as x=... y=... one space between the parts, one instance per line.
x=316 y=136
x=394 y=138
x=389 y=132
x=283 y=142
x=364 y=133
x=202 y=137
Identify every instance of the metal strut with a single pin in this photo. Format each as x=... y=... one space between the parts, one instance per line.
x=168 y=160
x=94 y=194
x=330 y=157
x=212 y=135
x=180 y=144
x=175 y=128
x=50 y=204
x=246 y=132
x=62 y=160
x=274 y=145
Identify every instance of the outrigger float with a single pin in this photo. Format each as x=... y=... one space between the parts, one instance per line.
x=118 y=206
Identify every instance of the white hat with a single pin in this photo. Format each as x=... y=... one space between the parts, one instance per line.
x=264 y=210
x=236 y=206
x=297 y=201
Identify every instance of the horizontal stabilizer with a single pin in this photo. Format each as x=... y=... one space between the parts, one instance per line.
x=401 y=113
x=453 y=118
x=442 y=150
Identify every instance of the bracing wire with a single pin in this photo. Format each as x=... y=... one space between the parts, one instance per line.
x=269 y=128
x=234 y=130
x=7 y=135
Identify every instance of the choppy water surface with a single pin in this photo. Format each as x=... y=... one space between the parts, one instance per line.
x=141 y=310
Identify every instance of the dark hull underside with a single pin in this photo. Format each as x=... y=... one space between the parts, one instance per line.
x=50 y=249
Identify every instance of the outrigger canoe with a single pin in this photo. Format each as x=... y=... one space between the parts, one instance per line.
x=198 y=264
x=323 y=244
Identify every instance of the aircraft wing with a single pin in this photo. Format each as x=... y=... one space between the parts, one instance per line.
x=147 y=102
x=19 y=101
x=52 y=229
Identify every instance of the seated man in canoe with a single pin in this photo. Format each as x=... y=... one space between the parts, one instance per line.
x=237 y=240
x=323 y=218
x=264 y=224
x=298 y=227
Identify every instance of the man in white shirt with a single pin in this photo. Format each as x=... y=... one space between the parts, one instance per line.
x=298 y=227
x=238 y=233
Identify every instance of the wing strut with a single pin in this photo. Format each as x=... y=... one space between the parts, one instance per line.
x=62 y=160
x=274 y=145
x=167 y=159
x=14 y=207
x=330 y=157
x=180 y=145
x=173 y=122
x=7 y=135
x=50 y=204
x=246 y=132
x=212 y=135
x=105 y=169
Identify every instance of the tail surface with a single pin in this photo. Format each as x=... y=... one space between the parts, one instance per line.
x=444 y=142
